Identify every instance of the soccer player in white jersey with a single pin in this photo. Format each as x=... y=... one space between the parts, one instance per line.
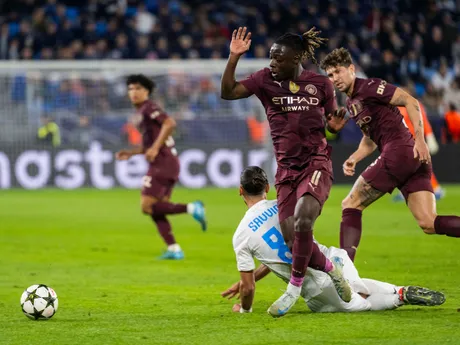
x=259 y=236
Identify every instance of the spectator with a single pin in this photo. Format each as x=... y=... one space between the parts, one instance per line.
x=144 y=20
x=442 y=78
x=452 y=118
x=452 y=95
x=49 y=133
x=84 y=134
x=4 y=41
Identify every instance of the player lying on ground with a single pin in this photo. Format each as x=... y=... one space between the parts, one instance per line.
x=295 y=101
x=404 y=163
x=159 y=149
x=258 y=236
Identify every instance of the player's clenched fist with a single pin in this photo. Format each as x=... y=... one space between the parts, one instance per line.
x=349 y=167
x=240 y=41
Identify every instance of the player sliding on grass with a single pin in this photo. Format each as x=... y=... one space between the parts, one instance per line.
x=158 y=147
x=295 y=102
x=258 y=236
x=404 y=163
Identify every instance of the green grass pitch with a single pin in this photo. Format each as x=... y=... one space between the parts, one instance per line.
x=98 y=252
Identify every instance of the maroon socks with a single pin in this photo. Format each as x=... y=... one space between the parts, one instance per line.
x=447 y=225
x=162 y=208
x=350 y=231
x=164 y=228
x=301 y=253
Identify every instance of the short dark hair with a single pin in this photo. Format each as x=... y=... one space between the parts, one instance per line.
x=254 y=180
x=337 y=57
x=141 y=79
x=304 y=44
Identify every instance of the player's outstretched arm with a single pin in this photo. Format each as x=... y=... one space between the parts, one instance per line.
x=230 y=88
x=247 y=290
x=403 y=99
x=126 y=154
x=365 y=148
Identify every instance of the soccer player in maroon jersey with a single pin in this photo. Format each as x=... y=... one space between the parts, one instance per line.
x=404 y=161
x=296 y=102
x=158 y=147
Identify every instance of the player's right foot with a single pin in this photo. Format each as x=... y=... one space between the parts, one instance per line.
x=417 y=295
x=341 y=285
x=283 y=304
x=172 y=255
x=199 y=214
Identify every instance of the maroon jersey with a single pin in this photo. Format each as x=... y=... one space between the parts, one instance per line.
x=369 y=106
x=151 y=117
x=295 y=112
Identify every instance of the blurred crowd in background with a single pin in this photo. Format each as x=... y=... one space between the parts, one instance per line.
x=412 y=43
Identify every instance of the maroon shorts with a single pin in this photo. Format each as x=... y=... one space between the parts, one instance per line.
x=397 y=168
x=160 y=179
x=291 y=185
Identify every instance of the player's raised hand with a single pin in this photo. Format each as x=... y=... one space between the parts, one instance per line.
x=241 y=41
x=123 y=155
x=337 y=120
x=349 y=167
x=233 y=291
x=421 y=151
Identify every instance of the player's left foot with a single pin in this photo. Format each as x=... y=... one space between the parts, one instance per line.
x=341 y=285
x=417 y=295
x=172 y=255
x=199 y=214
x=283 y=304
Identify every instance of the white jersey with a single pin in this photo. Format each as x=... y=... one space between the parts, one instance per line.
x=259 y=236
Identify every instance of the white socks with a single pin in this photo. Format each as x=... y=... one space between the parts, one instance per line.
x=190 y=208
x=174 y=248
x=384 y=302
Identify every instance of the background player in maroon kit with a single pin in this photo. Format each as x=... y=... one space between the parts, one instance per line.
x=158 y=146
x=295 y=101
x=404 y=161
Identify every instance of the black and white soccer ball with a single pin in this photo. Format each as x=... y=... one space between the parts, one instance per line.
x=39 y=302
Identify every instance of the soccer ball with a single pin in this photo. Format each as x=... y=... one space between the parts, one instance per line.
x=39 y=302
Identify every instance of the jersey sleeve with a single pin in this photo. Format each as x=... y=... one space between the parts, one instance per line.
x=330 y=100
x=378 y=90
x=154 y=113
x=254 y=82
x=244 y=259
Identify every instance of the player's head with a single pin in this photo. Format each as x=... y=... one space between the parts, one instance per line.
x=339 y=67
x=139 y=88
x=254 y=184
x=290 y=49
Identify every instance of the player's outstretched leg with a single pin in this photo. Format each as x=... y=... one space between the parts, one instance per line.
x=423 y=207
x=416 y=295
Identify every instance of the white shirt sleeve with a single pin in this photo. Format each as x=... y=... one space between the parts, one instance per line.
x=244 y=258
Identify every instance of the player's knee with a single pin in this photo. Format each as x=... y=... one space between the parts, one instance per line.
x=146 y=207
x=347 y=203
x=303 y=223
x=427 y=225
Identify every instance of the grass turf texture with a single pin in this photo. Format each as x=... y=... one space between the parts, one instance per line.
x=98 y=252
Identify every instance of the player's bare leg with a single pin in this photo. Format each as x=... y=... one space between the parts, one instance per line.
x=362 y=194
x=306 y=212
x=423 y=207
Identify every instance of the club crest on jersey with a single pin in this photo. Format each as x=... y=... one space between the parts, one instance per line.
x=355 y=109
x=311 y=89
x=293 y=87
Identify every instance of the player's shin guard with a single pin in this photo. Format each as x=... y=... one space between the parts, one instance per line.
x=301 y=253
x=350 y=230
x=447 y=225
x=162 y=208
x=164 y=228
